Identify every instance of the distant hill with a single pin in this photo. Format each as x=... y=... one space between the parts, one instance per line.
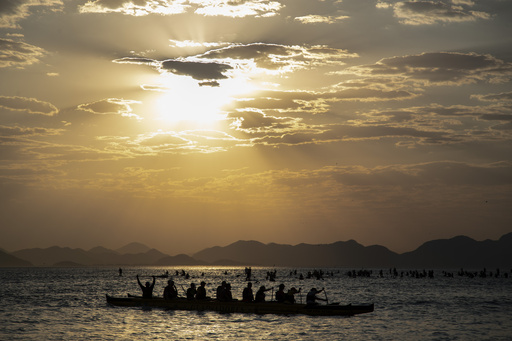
x=57 y=256
x=133 y=248
x=461 y=251
x=53 y=255
x=457 y=252
x=179 y=260
x=8 y=260
x=349 y=253
x=100 y=250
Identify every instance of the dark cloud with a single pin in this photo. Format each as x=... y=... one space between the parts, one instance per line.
x=260 y=53
x=442 y=68
x=210 y=83
x=431 y=12
x=275 y=56
x=270 y=57
x=208 y=71
x=112 y=4
x=196 y=70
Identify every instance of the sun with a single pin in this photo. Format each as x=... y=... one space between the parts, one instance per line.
x=183 y=99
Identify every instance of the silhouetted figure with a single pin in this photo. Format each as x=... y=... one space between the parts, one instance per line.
x=247 y=295
x=229 y=295
x=260 y=294
x=280 y=294
x=201 y=291
x=147 y=290
x=120 y=272
x=290 y=295
x=221 y=292
x=191 y=292
x=311 y=296
x=170 y=291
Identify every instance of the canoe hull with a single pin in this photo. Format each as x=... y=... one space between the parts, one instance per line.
x=242 y=307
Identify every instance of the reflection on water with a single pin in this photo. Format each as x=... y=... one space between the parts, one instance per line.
x=69 y=304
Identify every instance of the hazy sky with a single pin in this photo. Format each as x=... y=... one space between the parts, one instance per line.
x=185 y=124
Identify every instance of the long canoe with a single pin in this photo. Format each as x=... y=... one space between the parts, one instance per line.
x=242 y=307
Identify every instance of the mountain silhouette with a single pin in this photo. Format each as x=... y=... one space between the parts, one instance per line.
x=56 y=256
x=349 y=253
x=461 y=251
x=456 y=252
x=100 y=250
x=180 y=259
x=133 y=248
x=8 y=260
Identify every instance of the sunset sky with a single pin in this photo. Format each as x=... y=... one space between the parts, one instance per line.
x=185 y=124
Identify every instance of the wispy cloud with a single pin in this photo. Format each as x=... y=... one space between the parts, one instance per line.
x=111 y=106
x=19 y=54
x=28 y=105
x=11 y=12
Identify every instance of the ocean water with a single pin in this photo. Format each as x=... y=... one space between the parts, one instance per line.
x=70 y=304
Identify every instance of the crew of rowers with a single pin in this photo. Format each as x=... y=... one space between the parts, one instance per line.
x=224 y=294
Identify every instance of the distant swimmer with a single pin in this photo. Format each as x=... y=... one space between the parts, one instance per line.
x=147 y=291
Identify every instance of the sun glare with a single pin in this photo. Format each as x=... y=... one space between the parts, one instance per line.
x=184 y=100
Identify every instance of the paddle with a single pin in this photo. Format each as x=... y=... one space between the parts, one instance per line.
x=325 y=293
